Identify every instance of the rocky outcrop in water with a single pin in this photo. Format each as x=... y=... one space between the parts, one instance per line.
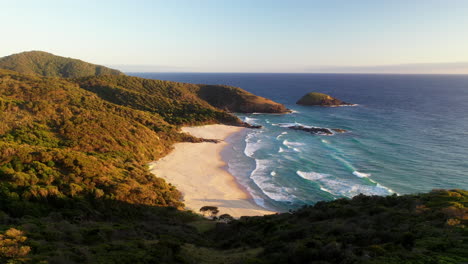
x=320 y=99
x=247 y=125
x=318 y=130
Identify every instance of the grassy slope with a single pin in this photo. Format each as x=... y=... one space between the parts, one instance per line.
x=46 y=64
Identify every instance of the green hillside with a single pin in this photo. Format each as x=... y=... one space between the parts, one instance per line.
x=47 y=64
x=174 y=102
x=57 y=139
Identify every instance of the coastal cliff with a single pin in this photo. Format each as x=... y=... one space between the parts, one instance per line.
x=234 y=99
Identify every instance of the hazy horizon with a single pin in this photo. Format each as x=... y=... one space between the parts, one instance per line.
x=415 y=68
x=361 y=36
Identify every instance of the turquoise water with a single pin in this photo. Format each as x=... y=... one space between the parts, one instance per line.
x=408 y=133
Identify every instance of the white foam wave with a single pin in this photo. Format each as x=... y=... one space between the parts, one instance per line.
x=280 y=150
x=287 y=124
x=342 y=186
x=252 y=143
x=239 y=168
x=262 y=177
x=386 y=188
x=312 y=176
x=350 y=166
x=250 y=120
x=325 y=189
x=281 y=135
x=361 y=174
x=273 y=173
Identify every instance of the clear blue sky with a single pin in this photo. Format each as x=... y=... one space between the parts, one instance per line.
x=240 y=35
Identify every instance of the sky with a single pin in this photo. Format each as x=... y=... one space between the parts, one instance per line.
x=358 y=36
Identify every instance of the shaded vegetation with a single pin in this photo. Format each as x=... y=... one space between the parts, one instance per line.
x=424 y=228
x=46 y=64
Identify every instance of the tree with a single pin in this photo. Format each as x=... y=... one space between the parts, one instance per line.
x=226 y=218
x=11 y=245
x=213 y=210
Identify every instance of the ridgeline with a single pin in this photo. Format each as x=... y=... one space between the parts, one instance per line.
x=74 y=186
x=46 y=64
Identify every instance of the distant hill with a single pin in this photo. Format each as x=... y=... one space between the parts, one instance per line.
x=47 y=64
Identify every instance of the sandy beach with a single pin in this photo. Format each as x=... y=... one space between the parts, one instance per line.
x=198 y=171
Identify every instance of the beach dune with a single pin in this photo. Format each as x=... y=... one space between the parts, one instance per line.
x=199 y=172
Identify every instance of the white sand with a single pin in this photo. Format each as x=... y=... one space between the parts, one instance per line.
x=198 y=171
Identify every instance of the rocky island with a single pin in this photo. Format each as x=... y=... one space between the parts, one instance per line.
x=318 y=130
x=320 y=99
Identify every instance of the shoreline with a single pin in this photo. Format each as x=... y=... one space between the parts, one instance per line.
x=199 y=171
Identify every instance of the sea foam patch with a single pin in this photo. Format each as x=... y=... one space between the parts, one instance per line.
x=343 y=187
x=262 y=177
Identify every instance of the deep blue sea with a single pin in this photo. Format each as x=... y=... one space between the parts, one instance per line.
x=407 y=134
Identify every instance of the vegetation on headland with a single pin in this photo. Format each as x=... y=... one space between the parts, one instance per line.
x=74 y=188
x=174 y=102
x=234 y=99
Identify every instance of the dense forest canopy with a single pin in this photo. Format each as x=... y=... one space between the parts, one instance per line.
x=75 y=188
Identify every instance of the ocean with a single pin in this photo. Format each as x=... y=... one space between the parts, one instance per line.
x=407 y=134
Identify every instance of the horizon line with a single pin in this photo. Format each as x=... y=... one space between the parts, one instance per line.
x=331 y=73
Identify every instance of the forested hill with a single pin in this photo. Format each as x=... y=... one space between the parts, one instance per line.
x=142 y=93
x=47 y=64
